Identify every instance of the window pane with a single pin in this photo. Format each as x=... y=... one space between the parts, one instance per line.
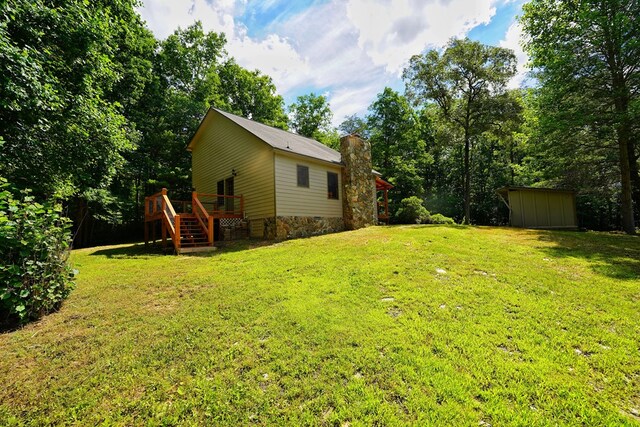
x=220 y=191
x=332 y=185
x=303 y=176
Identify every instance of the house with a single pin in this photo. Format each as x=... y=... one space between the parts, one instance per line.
x=531 y=207
x=280 y=184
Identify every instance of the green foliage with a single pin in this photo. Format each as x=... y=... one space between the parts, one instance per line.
x=399 y=139
x=467 y=84
x=310 y=114
x=61 y=120
x=34 y=274
x=585 y=54
x=412 y=211
x=440 y=219
x=251 y=94
x=354 y=125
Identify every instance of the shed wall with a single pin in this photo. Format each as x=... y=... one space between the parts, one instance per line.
x=542 y=209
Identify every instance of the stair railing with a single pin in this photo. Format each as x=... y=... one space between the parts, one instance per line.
x=170 y=219
x=205 y=220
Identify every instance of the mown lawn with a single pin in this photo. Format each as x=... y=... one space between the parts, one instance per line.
x=423 y=325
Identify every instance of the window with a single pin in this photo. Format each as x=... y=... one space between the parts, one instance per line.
x=303 y=176
x=332 y=185
x=220 y=192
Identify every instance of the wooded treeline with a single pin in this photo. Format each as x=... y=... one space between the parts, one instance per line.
x=97 y=112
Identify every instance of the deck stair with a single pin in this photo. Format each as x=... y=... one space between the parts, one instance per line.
x=190 y=230
x=192 y=233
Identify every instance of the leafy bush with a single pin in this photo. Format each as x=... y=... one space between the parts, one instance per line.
x=440 y=219
x=412 y=211
x=34 y=274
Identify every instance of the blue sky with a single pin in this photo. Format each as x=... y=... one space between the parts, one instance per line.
x=347 y=50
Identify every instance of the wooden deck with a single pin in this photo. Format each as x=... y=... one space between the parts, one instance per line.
x=191 y=228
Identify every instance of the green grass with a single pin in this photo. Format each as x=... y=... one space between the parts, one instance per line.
x=423 y=325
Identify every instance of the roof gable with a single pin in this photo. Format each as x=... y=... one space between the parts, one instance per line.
x=279 y=139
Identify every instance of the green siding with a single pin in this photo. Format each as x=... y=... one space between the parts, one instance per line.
x=220 y=146
x=542 y=209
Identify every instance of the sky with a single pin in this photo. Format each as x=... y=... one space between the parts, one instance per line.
x=346 y=50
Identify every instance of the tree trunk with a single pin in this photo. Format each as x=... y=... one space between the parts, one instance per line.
x=467 y=181
x=628 y=224
x=635 y=179
x=625 y=146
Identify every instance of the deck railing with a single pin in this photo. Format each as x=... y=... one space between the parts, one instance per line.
x=220 y=205
x=204 y=207
x=205 y=220
x=159 y=207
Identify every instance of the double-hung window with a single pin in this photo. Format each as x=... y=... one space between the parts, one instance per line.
x=332 y=185
x=303 y=176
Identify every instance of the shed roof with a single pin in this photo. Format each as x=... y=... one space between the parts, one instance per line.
x=506 y=189
x=281 y=139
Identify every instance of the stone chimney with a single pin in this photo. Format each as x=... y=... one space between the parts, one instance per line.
x=358 y=183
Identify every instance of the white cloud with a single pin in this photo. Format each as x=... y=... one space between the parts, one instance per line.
x=391 y=31
x=512 y=40
x=165 y=16
x=349 y=49
x=273 y=55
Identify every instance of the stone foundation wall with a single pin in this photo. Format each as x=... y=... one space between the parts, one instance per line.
x=291 y=227
x=269 y=228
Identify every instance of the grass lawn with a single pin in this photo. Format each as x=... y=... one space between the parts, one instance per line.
x=422 y=325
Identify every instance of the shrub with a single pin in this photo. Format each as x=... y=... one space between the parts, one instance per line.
x=412 y=211
x=34 y=274
x=440 y=219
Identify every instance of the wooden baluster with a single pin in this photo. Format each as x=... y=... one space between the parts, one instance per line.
x=177 y=235
x=164 y=234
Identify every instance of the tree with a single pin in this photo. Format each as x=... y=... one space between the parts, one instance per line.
x=586 y=54
x=467 y=83
x=186 y=82
x=61 y=106
x=73 y=74
x=398 y=145
x=310 y=114
x=251 y=94
x=354 y=125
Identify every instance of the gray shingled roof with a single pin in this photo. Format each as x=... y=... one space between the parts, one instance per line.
x=286 y=141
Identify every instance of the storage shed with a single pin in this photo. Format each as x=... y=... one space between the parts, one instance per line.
x=531 y=207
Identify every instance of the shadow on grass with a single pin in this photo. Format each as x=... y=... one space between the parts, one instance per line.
x=139 y=250
x=612 y=255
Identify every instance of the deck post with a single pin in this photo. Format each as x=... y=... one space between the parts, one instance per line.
x=386 y=204
x=146 y=233
x=177 y=235
x=210 y=229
